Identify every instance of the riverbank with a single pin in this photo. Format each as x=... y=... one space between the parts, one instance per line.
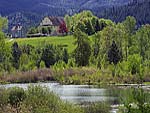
x=77 y=76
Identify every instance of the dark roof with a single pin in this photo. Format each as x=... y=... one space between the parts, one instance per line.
x=56 y=21
x=16 y=28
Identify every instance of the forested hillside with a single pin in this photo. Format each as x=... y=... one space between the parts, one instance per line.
x=139 y=9
x=115 y=10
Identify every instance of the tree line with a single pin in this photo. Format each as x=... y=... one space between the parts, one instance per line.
x=120 y=47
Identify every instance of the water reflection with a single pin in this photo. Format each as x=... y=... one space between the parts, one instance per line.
x=77 y=94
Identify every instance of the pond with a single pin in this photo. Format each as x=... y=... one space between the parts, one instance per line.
x=82 y=94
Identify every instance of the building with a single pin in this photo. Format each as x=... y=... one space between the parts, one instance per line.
x=52 y=22
x=17 y=31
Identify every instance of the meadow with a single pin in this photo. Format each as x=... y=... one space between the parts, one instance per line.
x=65 y=41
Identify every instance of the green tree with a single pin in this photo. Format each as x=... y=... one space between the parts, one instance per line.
x=65 y=56
x=114 y=54
x=3 y=23
x=45 y=30
x=48 y=55
x=134 y=63
x=16 y=53
x=129 y=25
x=97 y=26
x=33 y=30
x=143 y=41
x=89 y=29
x=2 y=47
x=83 y=49
x=3 y=50
x=68 y=22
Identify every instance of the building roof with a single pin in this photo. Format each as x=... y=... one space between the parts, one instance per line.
x=55 y=21
x=16 y=28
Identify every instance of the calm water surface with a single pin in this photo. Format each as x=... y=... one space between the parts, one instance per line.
x=81 y=94
x=77 y=94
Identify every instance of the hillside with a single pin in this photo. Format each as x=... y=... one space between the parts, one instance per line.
x=50 y=6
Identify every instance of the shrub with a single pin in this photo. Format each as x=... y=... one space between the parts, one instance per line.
x=134 y=62
x=16 y=96
x=3 y=97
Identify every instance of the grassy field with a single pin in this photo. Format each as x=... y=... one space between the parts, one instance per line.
x=67 y=41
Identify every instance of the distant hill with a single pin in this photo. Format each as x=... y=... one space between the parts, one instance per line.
x=50 y=6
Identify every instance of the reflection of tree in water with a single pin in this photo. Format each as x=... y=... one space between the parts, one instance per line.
x=115 y=94
x=137 y=102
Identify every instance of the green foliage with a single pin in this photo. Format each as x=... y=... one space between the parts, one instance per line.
x=16 y=96
x=33 y=31
x=134 y=63
x=137 y=102
x=48 y=55
x=65 y=56
x=3 y=23
x=44 y=30
x=129 y=24
x=3 y=97
x=71 y=63
x=98 y=108
x=119 y=49
x=86 y=22
x=83 y=50
x=114 y=54
x=2 y=47
x=16 y=53
x=35 y=99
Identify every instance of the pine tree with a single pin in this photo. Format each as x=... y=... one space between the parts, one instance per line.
x=48 y=55
x=16 y=54
x=65 y=56
x=114 y=55
x=97 y=26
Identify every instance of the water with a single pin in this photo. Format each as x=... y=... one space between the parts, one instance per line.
x=77 y=94
x=82 y=94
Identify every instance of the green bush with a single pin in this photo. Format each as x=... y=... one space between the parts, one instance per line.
x=3 y=97
x=16 y=96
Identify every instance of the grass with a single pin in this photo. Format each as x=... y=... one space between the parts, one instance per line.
x=67 y=41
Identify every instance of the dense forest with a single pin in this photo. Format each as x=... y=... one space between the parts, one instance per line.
x=138 y=8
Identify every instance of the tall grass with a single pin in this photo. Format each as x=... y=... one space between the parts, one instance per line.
x=37 y=99
x=70 y=75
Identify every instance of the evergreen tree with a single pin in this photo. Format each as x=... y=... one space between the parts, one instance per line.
x=89 y=29
x=97 y=26
x=48 y=55
x=65 y=56
x=114 y=55
x=16 y=53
